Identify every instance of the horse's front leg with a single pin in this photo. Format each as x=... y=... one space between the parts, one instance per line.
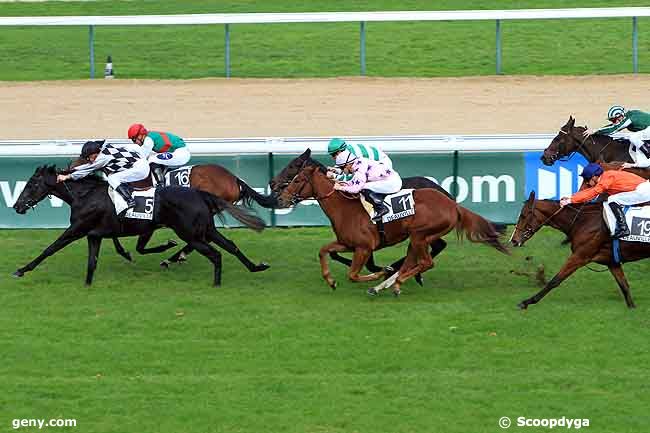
x=71 y=234
x=120 y=250
x=94 y=244
x=359 y=259
x=574 y=262
x=324 y=265
x=143 y=239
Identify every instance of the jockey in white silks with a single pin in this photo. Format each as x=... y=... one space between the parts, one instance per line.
x=371 y=178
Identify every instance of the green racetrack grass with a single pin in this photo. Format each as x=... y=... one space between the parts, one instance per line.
x=426 y=49
x=148 y=350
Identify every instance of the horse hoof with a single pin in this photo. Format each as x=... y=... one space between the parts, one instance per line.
x=372 y=291
x=164 y=264
x=128 y=257
x=172 y=243
x=522 y=306
x=418 y=279
x=261 y=267
x=18 y=274
x=333 y=285
x=396 y=292
x=389 y=270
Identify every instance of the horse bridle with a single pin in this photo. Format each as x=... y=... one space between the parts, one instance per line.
x=581 y=146
x=529 y=232
x=296 y=197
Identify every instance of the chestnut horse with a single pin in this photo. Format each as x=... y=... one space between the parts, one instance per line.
x=435 y=216
x=282 y=180
x=590 y=241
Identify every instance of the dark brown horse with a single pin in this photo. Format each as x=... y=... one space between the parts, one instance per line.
x=590 y=241
x=435 y=216
x=594 y=148
x=282 y=180
x=218 y=181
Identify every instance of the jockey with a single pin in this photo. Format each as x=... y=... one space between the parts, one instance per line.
x=624 y=189
x=170 y=150
x=373 y=179
x=638 y=123
x=337 y=145
x=121 y=164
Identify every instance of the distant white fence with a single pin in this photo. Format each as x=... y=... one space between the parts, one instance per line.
x=294 y=145
x=331 y=17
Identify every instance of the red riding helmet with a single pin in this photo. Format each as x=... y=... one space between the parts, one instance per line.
x=137 y=129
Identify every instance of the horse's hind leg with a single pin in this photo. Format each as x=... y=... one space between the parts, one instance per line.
x=121 y=251
x=422 y=259
x=619 y=276
x=230 y=247
x=213 y=255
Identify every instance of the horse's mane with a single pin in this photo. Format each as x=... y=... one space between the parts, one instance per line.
x=314 y=163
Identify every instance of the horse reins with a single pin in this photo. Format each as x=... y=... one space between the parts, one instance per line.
x=581 y=146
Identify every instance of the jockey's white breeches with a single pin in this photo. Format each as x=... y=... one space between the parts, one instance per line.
x=386 y=186
x=640 y=195
x=180 y=156
x=139 y=171
x=638 y=137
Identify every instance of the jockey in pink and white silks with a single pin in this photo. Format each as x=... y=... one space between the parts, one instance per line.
x=371 y=178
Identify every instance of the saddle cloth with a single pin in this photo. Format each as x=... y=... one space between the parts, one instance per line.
x=400 y=205
x=144 y=204
x=179 y=176
x=638 y=221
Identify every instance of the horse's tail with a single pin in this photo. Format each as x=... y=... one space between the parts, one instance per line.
x=217 y=206
x=248 y=194
x=478 y=229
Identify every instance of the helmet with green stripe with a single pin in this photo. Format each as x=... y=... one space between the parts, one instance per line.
x=336 y=145
x=615 y=111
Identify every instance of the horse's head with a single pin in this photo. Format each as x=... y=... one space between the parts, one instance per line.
x=282 y=179
x=568 y=140
x=38 y=187
x=527 y=223
x=302 y=186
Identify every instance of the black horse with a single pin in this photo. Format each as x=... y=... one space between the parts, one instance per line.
x=282 y=180
x=594 y=148
x=187 y=211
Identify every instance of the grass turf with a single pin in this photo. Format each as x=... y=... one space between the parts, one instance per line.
x=150 y=350
x=316 y=50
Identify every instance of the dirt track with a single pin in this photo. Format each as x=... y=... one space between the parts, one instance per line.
x=313 y=107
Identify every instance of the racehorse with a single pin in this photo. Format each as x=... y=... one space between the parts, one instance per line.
x=435 y=215
x=282 y=180
x=594 y=148
x=218 y=181
x=187 y=211
x=590 y=241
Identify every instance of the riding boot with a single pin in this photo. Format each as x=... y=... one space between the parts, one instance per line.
x=158 y=172
x=125 y=192
x=621 y=225
x=377 y=201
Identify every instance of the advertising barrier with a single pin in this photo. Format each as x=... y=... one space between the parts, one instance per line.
x=493 y=184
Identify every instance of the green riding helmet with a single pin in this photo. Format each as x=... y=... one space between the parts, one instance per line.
x=615 y=111
x=336 y=145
